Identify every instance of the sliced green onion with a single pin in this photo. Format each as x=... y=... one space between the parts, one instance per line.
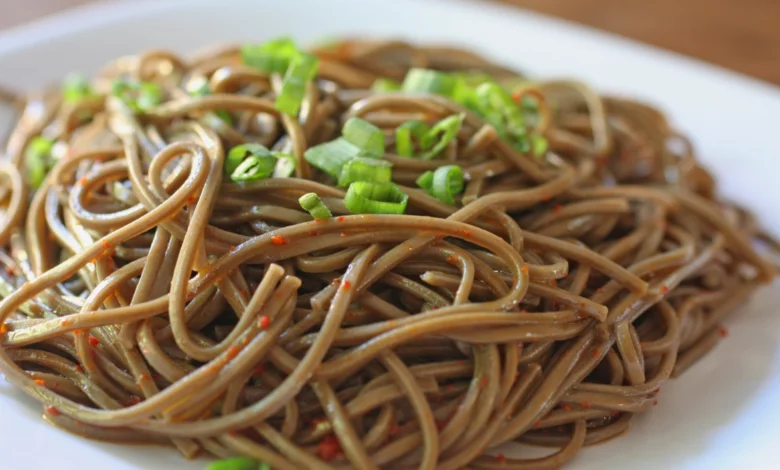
x=385 y=85
x=375 y=198
x=441 y=134
x=365 y=135
x=538 y=144
x=447 y=182
x=302 y=70
x=314 y=206
x=38 y=160
x=429 y=81
x=237 y=463
x=285 y=165
x=331 y=156
x=404 y=144
x=201 y=88
x=270 y=57
x=76 y=88
x=425 y=181
x=254 y=168
x=139 y=96
x=365 y=169
x=239 y=153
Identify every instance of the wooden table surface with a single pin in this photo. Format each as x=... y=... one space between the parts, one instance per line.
x=743 y=35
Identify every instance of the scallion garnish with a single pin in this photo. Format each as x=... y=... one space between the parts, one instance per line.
x=365 y=135
x=273 y=56
x=425 y=180
x=238 y=463
x=375 y=198
x=302 y=70
x=429 y=81
x=447 y=182
x=385 y=85
x=139 y=96
x=76 y=88
x=331 y=156
x=314 y=206
x=38 y=160
x=252 y=162
x=440 y=135
x=538 y=145
x=365 y=169
x=404 y=135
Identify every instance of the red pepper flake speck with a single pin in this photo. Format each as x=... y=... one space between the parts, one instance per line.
x=566 y=407
x=79 y=368
x=39 y=382
x=664 y=290
x=500 y=458
x=537 y=424
x=278 y=240
x=232 y=249
x=483 y=381
x=133 y=400
x=259 y=369
x=52 y=411
x=93 y=341
x=233 y=352
x=264 y=322
x=340 y=218
x=466 y=233
x=524 y=269
x=615 y=413
x=343 y=234
x=346 y=285
x=723 y=332
x=329 y=448
x=585 y=405
x=596 y=352
x=557 y=208
x=3 y=328
x=451 y=259
x=83 y=181
x=314 y=233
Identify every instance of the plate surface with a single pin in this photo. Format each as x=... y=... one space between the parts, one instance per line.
x=723 y=413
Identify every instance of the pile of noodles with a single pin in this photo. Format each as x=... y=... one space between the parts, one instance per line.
x=148 y=298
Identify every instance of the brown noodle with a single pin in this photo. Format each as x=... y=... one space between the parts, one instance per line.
x=548 y=307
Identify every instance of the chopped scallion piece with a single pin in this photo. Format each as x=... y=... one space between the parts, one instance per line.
x=429 y=81
x=270 y=57
x=254 y=168
x=76 y=88
x=331 y=156
x=365 y=135
x=237 y=463
x=447 y=182
x=440 y=135
x=425 y=181
x=38 y=160
x=365 y=169
x=302 y=70
x=404 y=135
x=239 y=153
x=385 y=85
x=251 y=162
x=314 y=206
x=375 y=198
x=538 y=144
x=139 y=96
x=285 y=165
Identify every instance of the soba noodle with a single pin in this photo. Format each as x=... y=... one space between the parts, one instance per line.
x=147 y=298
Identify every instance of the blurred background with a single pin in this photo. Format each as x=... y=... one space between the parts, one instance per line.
x=742 y=35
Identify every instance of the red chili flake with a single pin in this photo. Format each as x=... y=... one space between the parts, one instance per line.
x=143 y=377
x=133 y=400
x=343 y=234
x=233 y=352
x=500 y=458
x=264 y=322
x=79 y=368
x=466 y=233
x=83 y=181
x=585 y=405
x=546 y=198
x=3 y=328
x=329 y=448
x=278 y=240
x=451 y=259
x=243 y=292
x=538 y=423
x=346 y=285
x=615 y=413
x=596 y=352
x=483 y=381
x=340 y=218
x=52 y=410
x=336 y=280
x=192 y=199
x=557 y=208
x=232 y=434
x=232 y=249
x=524 y=269
x=664 y=290
x=723 y=332
x=517 y=96
x=39 y=382
x=314 y=233
x=566 y=407
x=93 y=341
x=395 y=429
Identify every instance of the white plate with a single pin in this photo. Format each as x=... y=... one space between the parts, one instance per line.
x=722 y=414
